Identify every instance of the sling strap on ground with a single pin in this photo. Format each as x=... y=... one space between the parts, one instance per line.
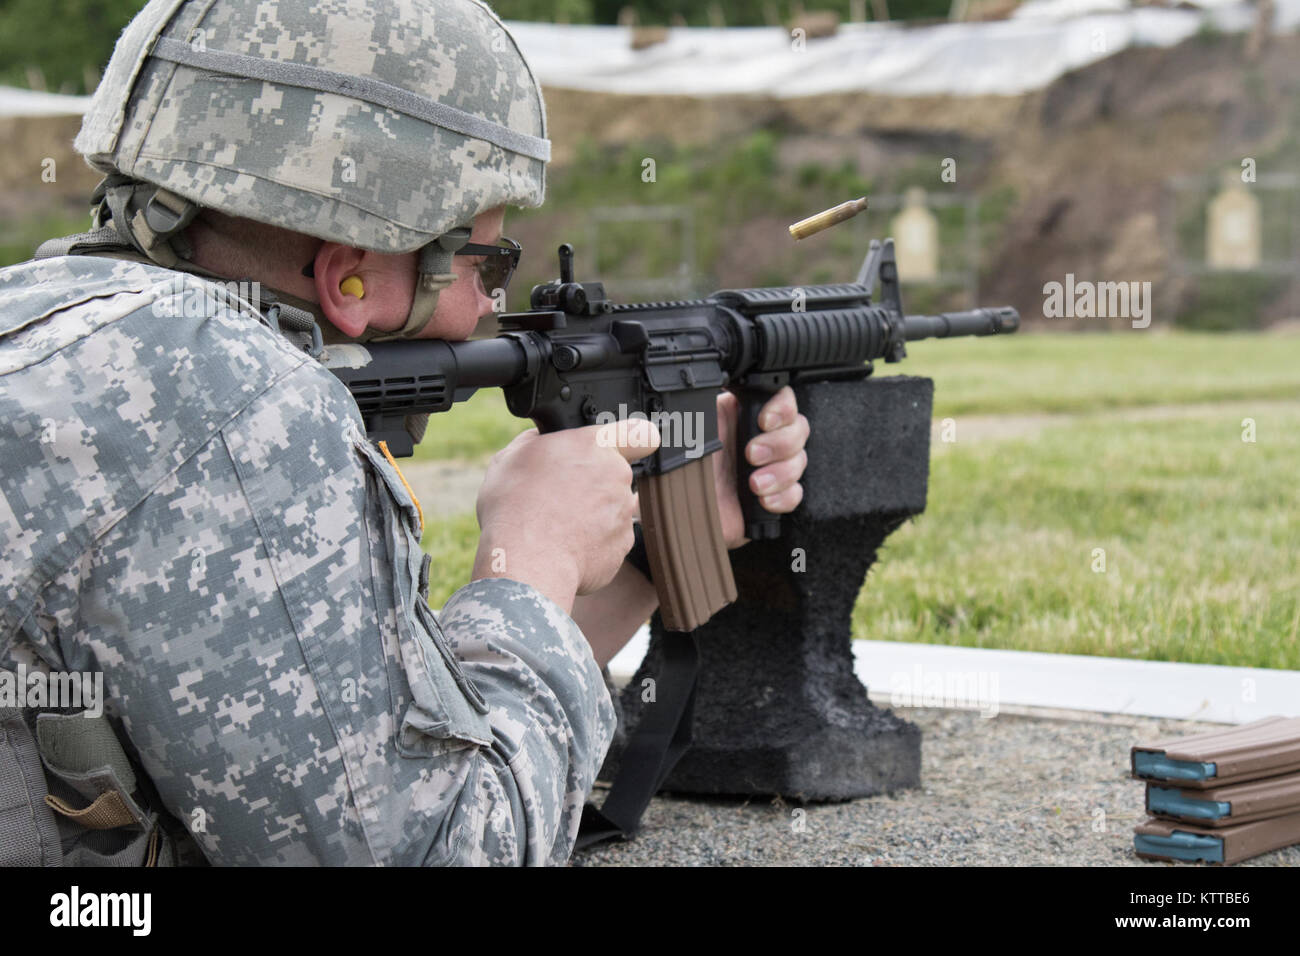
x=653 y=749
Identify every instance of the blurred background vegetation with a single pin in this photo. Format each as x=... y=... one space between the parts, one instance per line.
x=729 y=191
x=68 y=59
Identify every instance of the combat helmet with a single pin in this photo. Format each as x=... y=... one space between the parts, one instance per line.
x=381 y=124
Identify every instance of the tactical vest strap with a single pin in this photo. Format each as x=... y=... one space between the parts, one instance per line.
x=108 y=812
x=105 y=239
x=133 y=217
x=74 y=745
x=29 y=835
x=147 y=849
x=82 y=759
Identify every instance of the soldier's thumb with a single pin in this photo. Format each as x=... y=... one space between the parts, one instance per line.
x=633 y=437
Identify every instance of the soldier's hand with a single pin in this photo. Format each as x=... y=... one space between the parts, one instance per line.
x=779 y=450
x=556 y=510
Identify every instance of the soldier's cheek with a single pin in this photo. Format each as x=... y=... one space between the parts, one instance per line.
x=459 y=307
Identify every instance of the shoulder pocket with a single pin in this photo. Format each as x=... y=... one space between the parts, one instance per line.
x=435 y=702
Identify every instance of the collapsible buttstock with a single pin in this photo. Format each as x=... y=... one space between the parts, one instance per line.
x=683 y=537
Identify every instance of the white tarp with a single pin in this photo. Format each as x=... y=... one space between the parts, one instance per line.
x=999 y=57
x=16 y=102
x=1064 y=9
x=1046 y=39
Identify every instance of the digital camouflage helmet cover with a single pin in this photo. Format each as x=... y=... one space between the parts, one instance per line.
x=379 y=124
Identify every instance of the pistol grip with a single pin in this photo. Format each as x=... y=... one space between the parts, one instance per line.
x=760 y=524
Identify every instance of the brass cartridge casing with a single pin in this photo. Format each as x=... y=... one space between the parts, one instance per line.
x=830 y=217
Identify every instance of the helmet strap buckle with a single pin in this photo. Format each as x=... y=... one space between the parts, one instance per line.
x=434 y=275
x=150 y=217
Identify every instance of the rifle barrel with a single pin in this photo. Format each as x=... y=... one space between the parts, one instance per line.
x=973 y=322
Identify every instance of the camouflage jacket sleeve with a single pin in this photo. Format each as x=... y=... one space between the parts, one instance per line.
x=260 y=621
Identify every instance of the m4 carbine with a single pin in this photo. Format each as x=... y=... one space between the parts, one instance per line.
x=575 y=358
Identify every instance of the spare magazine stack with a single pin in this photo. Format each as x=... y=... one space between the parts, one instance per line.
x=1223 y=796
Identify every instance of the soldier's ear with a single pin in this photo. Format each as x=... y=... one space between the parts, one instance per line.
x=334 y=263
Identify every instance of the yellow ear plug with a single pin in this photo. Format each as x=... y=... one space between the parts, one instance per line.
x=352 y=286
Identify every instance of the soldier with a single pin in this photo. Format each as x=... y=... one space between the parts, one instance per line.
x=191 y=507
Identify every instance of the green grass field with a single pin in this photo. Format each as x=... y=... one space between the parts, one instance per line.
x=1200 y=529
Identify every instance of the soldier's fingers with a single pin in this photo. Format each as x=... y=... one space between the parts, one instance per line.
x=778 y=477
x=780 y=444
x=783 y=502
x=778 y=410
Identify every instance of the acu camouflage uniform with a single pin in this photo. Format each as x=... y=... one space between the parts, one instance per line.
x=189 y=504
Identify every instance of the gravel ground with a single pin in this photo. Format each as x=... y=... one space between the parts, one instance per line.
x=1019 y=790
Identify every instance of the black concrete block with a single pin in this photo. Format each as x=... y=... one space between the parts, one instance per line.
x=869 y=450
x=779 y=709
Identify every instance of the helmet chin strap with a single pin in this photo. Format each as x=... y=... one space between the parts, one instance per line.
x=434 y=275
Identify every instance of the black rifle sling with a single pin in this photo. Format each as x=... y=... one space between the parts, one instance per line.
x=653 y=748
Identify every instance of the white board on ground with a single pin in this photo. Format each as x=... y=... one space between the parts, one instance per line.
x=985 y=679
